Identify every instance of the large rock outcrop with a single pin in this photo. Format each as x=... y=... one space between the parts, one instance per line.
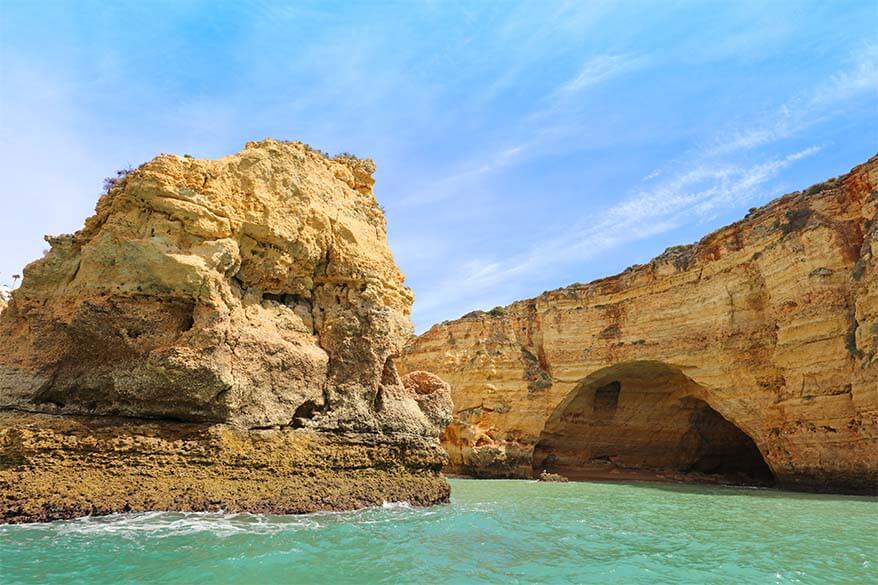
x=216 y=326
x=749 y=356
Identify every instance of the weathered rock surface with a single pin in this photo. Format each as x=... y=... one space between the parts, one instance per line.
x=756 y=346
x=220 y=299
x=552 y=477
x=68 y=466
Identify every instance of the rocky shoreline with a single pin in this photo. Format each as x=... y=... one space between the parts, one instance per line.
x=221 y=334
x=58 y=467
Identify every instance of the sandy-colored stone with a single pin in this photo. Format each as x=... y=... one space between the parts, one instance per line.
x=552 y=477
x=432 y=394
x=770 y=323
x=255 y=291
x=64 y=467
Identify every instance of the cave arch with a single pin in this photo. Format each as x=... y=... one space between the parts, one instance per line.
x=646 y=420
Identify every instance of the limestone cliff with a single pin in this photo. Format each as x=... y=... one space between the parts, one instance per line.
x=751 y=355
x=217 y=325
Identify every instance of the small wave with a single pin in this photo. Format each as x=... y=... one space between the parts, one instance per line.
x=163 y=524
x=167 y=524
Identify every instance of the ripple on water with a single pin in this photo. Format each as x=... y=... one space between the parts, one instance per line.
x=493 y=531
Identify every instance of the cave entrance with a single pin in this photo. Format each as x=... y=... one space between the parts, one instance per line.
x=646 y=420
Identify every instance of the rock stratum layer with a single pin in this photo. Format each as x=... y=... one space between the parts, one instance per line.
x=220 y=334
x=751 y=356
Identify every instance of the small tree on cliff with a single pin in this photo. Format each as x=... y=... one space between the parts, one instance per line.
x=113 y=181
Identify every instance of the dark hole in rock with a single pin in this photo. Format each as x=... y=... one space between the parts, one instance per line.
x=646 y=420
x=306 y=411
x=606 y=399
x=276 y=297
x=378 y=401
x=718 y=447
x=287 y=299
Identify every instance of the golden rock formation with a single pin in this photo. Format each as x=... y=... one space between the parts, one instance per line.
x=210 y=317
x=750 y=356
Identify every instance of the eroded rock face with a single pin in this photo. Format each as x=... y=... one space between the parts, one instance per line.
x=255 y=291
x=651 y=421
x=65 y=466
x=769 y=325
x=432 y=394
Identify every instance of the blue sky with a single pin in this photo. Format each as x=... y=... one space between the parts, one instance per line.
x=520 y=146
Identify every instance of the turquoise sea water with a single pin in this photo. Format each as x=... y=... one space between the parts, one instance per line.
x=492 y=532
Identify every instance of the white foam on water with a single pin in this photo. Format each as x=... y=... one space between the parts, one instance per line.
x=220 y=524
x=168 y=524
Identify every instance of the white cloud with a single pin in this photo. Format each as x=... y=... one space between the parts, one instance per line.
x=689 y=196
x=803 y=111
x=537 y=128
x=862 y=78
x=596 y=71
x=452 y=184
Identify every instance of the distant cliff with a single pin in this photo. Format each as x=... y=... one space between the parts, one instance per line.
x=220 y=334
x=750 y=356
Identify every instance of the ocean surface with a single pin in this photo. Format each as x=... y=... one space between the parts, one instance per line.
x=492 y=532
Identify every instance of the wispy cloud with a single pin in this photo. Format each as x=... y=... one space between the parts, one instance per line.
x=860 y=79
x=808 y=109
x=595 y=71
x=542 y=126
x=453 y=184
x=691 y=195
